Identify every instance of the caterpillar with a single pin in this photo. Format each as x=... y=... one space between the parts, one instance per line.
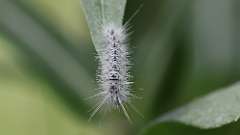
x=113 y=71
x=113 y=74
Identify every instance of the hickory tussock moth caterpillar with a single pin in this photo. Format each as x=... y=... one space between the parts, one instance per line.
x=113 y=71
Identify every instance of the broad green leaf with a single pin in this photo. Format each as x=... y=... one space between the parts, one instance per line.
x=112 y=10
x=211 y=111
x=171 y=128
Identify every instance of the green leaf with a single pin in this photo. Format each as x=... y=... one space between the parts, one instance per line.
x=72 y=79
x=157 y=46
x=112 y=10
x=29 y=105
x=212 y=111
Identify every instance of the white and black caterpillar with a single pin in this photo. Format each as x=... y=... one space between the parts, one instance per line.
x=113 y=73
x=113 y=70
x=114 y=65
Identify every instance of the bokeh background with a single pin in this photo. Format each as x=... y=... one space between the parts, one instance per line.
x=181 y=49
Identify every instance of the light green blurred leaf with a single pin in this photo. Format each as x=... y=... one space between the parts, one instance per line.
x=28 y=104
x=17 y=25
x=112 y=10
x=156 y=52
x=212 y=111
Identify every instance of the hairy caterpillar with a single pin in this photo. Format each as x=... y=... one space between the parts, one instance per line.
x=113 y=76
x=113 y=72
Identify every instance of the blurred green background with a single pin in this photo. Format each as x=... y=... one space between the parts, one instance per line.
x=181 y=49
